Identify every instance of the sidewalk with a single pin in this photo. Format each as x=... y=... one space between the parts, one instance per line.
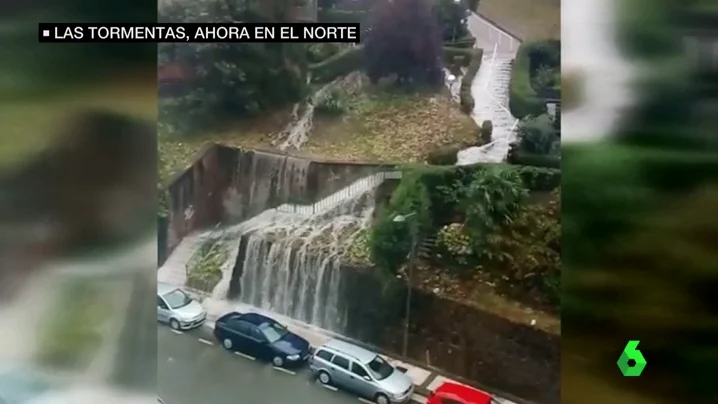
x=425 y=380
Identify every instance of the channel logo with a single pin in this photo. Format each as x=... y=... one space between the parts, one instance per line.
x=631 y=362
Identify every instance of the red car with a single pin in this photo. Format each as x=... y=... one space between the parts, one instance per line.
x=453 y=393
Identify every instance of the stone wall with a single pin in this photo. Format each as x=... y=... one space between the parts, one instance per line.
x=229 y=185
x=475 y=345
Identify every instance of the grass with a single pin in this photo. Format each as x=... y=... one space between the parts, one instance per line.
x=528 y=19
x=380 y=126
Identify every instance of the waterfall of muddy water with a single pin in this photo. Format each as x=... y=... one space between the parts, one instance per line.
x=291 y=263
x=455 y=85
x=296 y=133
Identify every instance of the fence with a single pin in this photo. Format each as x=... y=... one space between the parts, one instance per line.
x=351 y=191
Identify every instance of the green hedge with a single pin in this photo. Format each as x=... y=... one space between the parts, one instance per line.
x=338 y=65
x=523 y=100
x=462 y=43
x=453 y=55
x=467 y=101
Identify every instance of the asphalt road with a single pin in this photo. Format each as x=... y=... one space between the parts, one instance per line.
x=193 y=368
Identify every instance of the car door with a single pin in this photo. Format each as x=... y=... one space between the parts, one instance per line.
x=163 y=311
x=237 y=331
x=260 y=345
x=340 y=371
x=361 y=381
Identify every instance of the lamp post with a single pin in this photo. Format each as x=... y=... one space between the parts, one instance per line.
x=410 y=272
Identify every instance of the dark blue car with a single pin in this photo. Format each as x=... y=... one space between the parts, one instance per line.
x=261 y=337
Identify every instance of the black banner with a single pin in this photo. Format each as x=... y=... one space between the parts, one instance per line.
x=200 y=33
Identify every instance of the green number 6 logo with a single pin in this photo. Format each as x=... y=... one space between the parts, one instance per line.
x=631 y=362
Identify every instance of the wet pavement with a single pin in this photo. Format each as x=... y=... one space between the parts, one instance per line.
x=192 y=371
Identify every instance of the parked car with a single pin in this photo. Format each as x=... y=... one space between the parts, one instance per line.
x=20 y=385
x=454 y=393
x=263 y=338
x=361 y=371
x=176 y=308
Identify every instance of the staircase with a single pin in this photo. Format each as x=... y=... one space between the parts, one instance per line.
x=490 y=90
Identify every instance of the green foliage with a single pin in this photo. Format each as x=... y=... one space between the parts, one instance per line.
x=493 y=197
x=204 y=270
x=404 y=41
x=454 y=242
x=358 y=252
x=457 y=56
x=537 y=135
x=334 y=103
x=336 y=16
x=465 y=97
x=523 y=100
x=540 y=178
x=389 y=241
x=473 y=5
x=452 y=19
x=338 y=65
x=319 y=52
x=230 y=80
x=462 y=43
x=162 y=201
x=536 y=160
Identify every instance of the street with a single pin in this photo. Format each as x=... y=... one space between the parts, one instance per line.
x=192 y=371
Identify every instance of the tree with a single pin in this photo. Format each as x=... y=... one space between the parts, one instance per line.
x=537 y=135
x=452 y=19
x=404 y=40
x=231 y=79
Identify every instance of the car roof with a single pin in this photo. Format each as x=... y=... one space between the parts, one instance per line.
x=467 y=393
x=256 y=319
x=360 y=354
x=164 y=288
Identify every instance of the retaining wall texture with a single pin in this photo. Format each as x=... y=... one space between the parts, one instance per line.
x=229 y=185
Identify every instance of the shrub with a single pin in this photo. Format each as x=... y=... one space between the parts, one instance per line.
x=537 y=135
x=455 y=246
x=536 y=160
x=457 y=56
x=487 y=128
x=444 y=156
x=540 y=178
x=452 y=19
x=334 y=16
x=358 y=253
x=338 y=65
x=204 y=270
x=463 y=43
x=465 y=97
x=319 y=52
x=334 y=103
x=523 y=100
x=389 y=241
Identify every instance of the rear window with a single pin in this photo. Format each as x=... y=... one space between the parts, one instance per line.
x=324 y=355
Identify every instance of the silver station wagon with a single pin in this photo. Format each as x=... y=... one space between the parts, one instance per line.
x=360 y=371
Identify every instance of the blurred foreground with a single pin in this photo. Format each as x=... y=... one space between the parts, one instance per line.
x=639 y=207
x=77 y=207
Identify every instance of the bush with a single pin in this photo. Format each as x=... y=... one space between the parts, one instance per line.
x=537 y=135
x=536 y=160
x=444 y=156
x=473 y=4
x=334 y=16
x=455 y=246
x=523 y=100
x=204 y=270
x=452 y=19
x=487 y=128
x=465 y=97
x=540 y=178
x=389 y=241
x=319 y=52
x=463 y=43
x=457 y=56
x=332 y=104
x=338 y=65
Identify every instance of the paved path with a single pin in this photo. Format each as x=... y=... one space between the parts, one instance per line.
x=193 y=368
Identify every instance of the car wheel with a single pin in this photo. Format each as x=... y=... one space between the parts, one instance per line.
x=382 y=399
x=174 y=324
x=324 y=377
x=227 y=343
x=277 y=361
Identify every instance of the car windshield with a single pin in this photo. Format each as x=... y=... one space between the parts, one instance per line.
x=177 y=298
x=273 y=331
x=380 y=368
x=21 y=386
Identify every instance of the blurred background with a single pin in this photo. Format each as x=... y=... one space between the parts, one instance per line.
x=640 y=199
x=77 y=207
